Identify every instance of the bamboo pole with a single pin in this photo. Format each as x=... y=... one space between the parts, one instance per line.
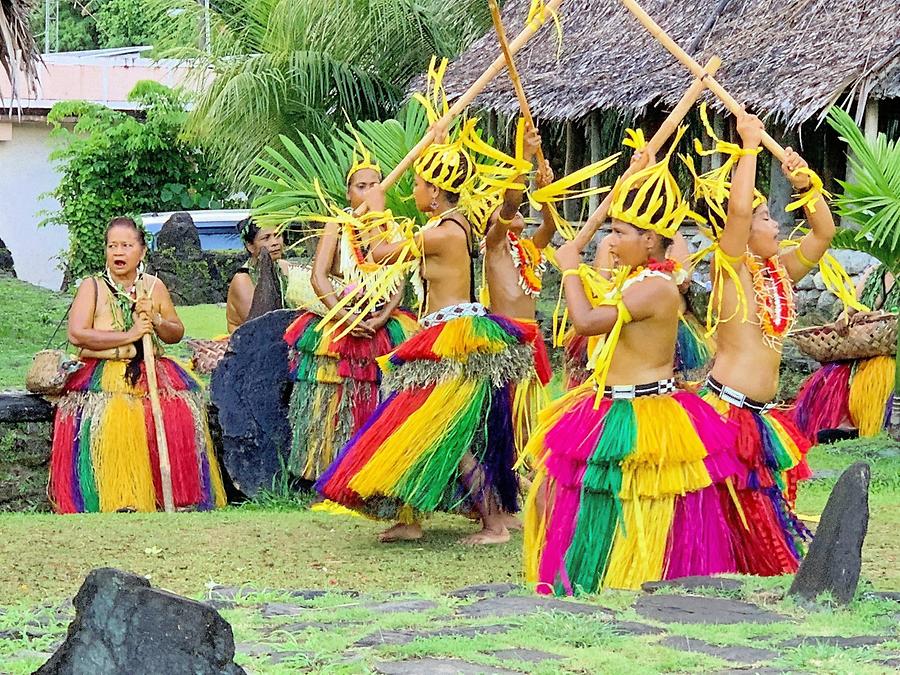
x=492 y=71
x=663 y=38
x=513 y=72
x=162 y=444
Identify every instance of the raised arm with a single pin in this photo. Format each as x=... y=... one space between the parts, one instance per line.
x=821 y=223
x=512 y=198
x=543 y=235
x=733 y=240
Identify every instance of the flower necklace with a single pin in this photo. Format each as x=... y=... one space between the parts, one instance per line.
x=773 y=291
x=530 y=263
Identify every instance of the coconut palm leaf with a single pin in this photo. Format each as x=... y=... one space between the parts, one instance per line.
x=19 y=55
x=288 y=176
x=281 y=67
x=849 y=239
x=872 y=197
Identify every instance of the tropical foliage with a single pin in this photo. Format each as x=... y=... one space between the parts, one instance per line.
x=871 y=198
x=289 y=178
x=282 y=68
x=112 y=164
x=19 y=56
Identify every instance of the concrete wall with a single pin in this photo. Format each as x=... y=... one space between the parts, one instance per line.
x=25 y=174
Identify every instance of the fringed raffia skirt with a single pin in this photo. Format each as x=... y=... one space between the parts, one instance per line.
x=443 y=439
x=336 y=387
x=768 y=536
x=693 y=353
x=105 y=455
x=530 y=396
x=859 y=392
x=626 y=492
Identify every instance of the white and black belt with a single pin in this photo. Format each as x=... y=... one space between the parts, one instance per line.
x=736 y=398
x=629 y=391
x=453 y=312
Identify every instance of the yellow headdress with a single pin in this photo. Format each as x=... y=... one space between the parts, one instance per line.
x=362 y=159
x=657 y=204
x=446 y=165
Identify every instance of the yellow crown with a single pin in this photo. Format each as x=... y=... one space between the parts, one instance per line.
x=657 y=205
x=362 y=159
x=446 y=165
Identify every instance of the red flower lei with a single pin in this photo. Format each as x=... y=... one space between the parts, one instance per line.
x=773 y=291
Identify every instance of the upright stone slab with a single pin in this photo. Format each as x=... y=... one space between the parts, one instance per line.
x=251 y=388
x=835 y=555
x=267 y=296
x=123 y=626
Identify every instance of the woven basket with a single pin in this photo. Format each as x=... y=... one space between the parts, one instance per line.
x=207 y=354
x=871 y=335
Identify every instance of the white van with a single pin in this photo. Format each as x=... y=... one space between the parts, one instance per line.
x=217 y=228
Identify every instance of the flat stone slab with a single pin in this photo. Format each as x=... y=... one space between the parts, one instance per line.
x=281 y=657
x=735 y=653
x=694 y=583
x=836 y=641
x=405 y=636
x=397 y=606
x=518 y=605
x=527 y=655
x=438 y=667
x=253 y=649
x=634 y=628
x=271 y=609
x=238 y=592
x=695 y=609
x=883 y=595
x=484 y=590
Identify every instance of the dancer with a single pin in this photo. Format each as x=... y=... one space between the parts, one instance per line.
x=337 y=377
x=846 y=399
x=104 y=455
x=753 y=299
x=443 y=439
x=623 y=492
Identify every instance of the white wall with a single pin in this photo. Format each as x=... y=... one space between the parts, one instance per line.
x=25 y=174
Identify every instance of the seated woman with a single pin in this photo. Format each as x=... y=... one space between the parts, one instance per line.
x=243 y=284
x=104 y=455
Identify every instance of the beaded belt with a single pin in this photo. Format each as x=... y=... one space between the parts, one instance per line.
x=453 y=312
x=736 y=398
x=625 y=391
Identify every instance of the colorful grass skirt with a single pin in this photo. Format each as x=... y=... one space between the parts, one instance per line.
x=105 y=456
x=859 y=392
x=768 y=537
x=336 y=387
x=626 y=492
x=693 y=352
x=443 y=439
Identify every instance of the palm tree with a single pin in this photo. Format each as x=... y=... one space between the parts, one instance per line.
x=19 y=55
x=872 y=201
x=275 y=68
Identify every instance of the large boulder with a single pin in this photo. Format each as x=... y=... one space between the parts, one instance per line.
x=180 y=233
x=122 y=625
x=835 y=556
x=6 y=261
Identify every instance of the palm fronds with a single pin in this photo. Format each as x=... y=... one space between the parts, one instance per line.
x=277 y=68
x=872 y=197
x=287 y=176
x=19 y=55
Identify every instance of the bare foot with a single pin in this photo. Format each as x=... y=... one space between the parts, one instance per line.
x=401 y=532
x=512 y=522
x=488 y=536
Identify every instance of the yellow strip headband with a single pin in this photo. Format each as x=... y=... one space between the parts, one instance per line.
x=657 y=205
x=362 y=159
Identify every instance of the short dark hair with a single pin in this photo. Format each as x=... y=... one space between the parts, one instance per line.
x=247 y=229
x=126 y=221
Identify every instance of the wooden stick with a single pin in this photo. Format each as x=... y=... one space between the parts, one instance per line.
x=666 y=129
x=663 y=38
x=513 y=72
x=162 y=444
x=492 y=71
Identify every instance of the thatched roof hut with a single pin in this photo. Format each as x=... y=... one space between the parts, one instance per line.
x=787 y=61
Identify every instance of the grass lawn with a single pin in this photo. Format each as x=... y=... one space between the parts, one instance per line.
x=276 y=543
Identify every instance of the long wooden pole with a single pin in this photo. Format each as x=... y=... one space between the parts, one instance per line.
x=666 y=129
x=162 y=445
x=492 y=71
x=513 y=71
x=663 y=38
